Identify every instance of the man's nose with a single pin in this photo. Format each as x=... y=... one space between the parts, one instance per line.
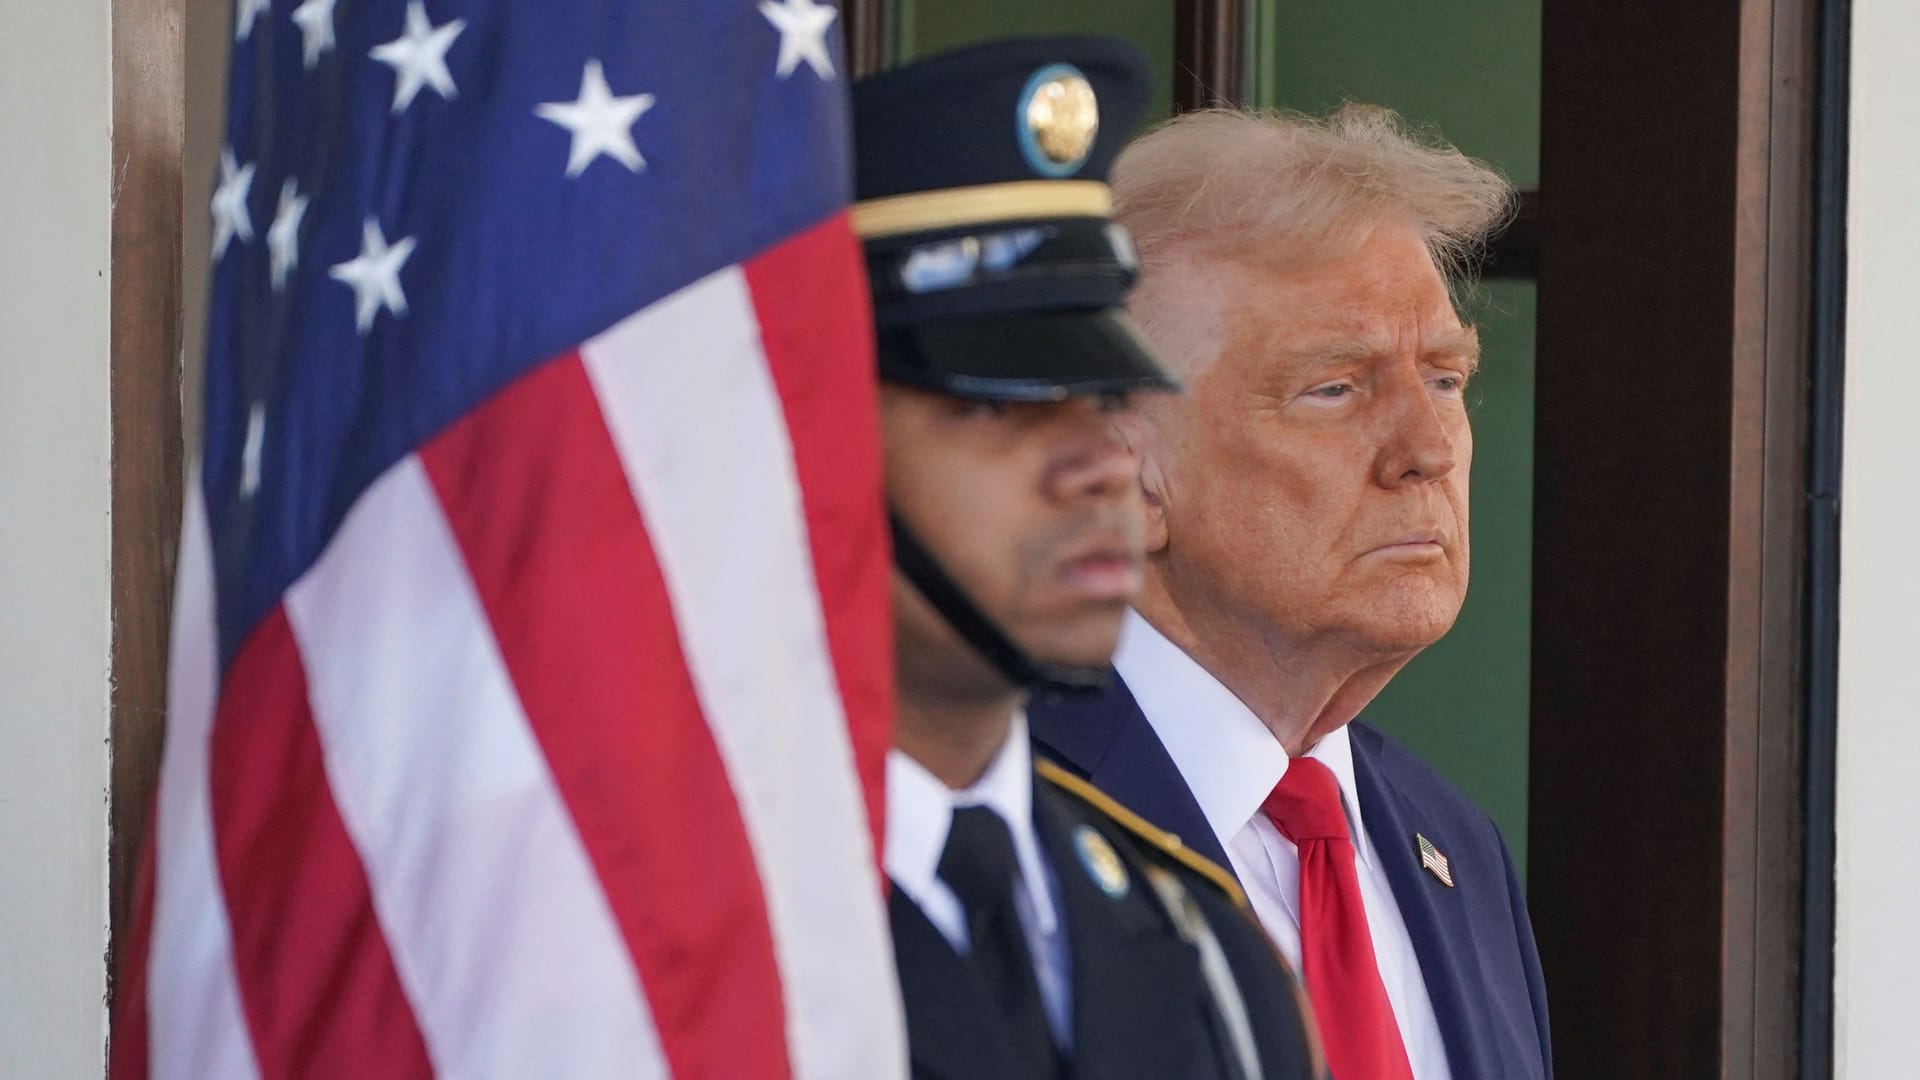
x=1090 y=460
x=1416 y=446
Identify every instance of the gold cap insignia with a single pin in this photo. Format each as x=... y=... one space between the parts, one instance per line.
x=1102 y=862
x=1059 y=117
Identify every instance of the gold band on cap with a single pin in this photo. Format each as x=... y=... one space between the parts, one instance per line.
x=982 y=204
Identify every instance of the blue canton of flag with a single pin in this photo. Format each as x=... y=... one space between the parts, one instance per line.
x=419 y=202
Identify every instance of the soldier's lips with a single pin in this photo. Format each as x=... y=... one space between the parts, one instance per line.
x=1106 y=574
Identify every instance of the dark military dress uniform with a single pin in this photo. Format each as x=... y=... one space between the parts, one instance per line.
x=1171 y=978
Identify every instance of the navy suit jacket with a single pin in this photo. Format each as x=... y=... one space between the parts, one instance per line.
x=1474 y=940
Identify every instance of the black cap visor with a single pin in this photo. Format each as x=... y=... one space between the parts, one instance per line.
x=1048 y=356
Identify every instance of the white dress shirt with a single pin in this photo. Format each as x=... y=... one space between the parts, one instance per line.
x=919 y=814
x=1232 y=762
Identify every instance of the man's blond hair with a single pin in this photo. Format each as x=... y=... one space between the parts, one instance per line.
x=1286 y=188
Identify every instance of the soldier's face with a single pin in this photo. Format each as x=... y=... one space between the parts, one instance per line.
x=1034 y=509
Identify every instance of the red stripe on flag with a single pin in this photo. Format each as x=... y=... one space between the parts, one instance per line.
x=533 y=488
x=127 y=1039
x=816 y=328
x=316 y=980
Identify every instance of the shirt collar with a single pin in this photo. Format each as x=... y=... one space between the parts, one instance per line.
x=1229 y=759
x=920 y=812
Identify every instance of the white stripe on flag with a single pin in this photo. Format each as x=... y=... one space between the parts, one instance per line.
x=195 y=1029
x=697 y=420
x=492 y=911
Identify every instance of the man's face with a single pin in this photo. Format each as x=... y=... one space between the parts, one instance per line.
x=1314 y=481
x=1033 y=509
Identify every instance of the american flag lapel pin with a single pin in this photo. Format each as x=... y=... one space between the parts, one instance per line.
x=1434 y=861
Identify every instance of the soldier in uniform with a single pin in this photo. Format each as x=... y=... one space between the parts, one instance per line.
x=1040 y=929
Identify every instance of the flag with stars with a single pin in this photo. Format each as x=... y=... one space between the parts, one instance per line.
x=529 y=689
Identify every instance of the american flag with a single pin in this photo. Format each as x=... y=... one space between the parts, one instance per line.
x=530 y=678
x=1433 y=861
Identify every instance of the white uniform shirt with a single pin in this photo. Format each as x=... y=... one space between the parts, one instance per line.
x=1232 y=762
x=919 y=814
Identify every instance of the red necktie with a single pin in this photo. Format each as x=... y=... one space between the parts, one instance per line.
x=1336 y=950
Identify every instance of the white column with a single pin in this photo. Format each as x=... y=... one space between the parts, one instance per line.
x=55 y=202
x=1877 y=980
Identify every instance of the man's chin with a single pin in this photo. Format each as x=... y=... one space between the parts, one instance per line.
x=1088 y=644
x=1404 y=621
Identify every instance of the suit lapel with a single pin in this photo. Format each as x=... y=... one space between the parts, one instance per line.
x=948 y=1008
x=1436 y=916
x=1108 y=740
x=1126 y=963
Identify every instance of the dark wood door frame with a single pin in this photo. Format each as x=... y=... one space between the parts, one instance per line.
x=1209 y=53
x=149 y=137
x=1669 y=539
x=867 y=29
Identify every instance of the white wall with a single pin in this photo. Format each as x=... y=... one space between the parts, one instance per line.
x=1877 y=987
x=55 y=114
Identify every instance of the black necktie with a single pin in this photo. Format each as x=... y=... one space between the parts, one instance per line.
x=979 y=865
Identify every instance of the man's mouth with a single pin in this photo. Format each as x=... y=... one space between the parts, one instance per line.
x=1110 y=571
x=1413 y=545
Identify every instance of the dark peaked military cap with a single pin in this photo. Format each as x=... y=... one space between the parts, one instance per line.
x=980 y=179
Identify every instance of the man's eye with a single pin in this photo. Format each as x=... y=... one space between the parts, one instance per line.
x=1334 y=391
x=1451 y=384
x=1117 y=401
x=987 y=409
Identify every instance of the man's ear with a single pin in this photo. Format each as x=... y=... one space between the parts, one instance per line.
x=1153 y=490
x=1135 y=433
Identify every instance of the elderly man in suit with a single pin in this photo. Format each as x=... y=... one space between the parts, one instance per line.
x=1307 y=536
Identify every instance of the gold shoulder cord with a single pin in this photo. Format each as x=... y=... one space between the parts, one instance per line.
x=1229 y=1007
x=1140 y=827
x=1200 y=864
